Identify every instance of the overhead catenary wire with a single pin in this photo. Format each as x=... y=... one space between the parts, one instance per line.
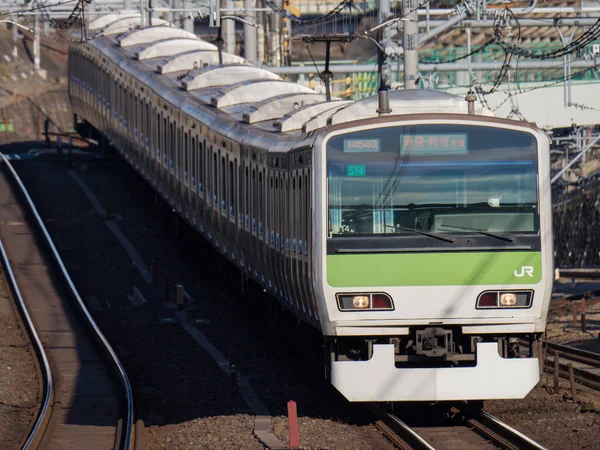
x=553 y=83
x=75 y=14
x=17 y=12
x=282 y=12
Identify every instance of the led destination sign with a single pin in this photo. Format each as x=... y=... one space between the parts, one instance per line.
x=356 y=170
x=434 y=144
x=362 y=145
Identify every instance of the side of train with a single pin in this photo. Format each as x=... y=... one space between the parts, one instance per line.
x=303 y=196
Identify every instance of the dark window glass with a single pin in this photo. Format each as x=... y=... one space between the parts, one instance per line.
x=441 y=178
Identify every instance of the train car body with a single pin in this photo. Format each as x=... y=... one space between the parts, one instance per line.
x=418 y=242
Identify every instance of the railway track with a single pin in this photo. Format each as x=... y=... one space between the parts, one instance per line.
x=86 y=399
x=454 y=427
x=586 y=365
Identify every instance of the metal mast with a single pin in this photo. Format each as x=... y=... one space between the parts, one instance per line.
x=410 y=43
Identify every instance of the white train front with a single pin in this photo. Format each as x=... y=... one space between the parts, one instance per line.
x=417 y=243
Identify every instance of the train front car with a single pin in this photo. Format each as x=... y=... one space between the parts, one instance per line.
x=434 y=236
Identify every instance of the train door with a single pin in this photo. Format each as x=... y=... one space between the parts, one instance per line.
x=277 y=232
x=245 y=216
x=294 y=273
x=201 y=181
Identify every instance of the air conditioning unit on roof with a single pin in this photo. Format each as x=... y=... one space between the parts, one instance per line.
x=596 y=49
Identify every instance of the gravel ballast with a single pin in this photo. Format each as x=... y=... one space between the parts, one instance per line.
x=19 y=383
x=183 y=397
x=181 y=394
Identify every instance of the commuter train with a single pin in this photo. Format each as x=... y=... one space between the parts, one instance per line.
x=417 y=241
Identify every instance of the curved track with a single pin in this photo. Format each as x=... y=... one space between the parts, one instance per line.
x=86 y=400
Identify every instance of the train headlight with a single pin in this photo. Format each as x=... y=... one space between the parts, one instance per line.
x=508 y=299
x=376 y=301
x=361 y=301
x=504 y=299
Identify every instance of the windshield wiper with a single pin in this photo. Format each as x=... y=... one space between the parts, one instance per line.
x=424 y=233
x=480 y=231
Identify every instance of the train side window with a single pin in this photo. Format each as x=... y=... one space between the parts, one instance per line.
x=308 y=212
x=185 y=156
x=194 y=157
x=253 y=199
x=165 y=133
x=135 y=114
x=300 y=210
x=214 y=180
x=148 y=126
x=201 y=159
x=276 y=204
x=171 y=143
x=247 y=195
x=293 y=227
x=223 y=194
x=157 y=143
x=231 y=190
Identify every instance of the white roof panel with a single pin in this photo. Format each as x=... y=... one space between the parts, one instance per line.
x=153 y=34
x=224 y=75
x=170 y=47
x=412 y=101
x=320 y=120
x=186 y=61
x=255 y=91
x=103 y=21
x=277 y=107
x=295 y=119
x=124 y=24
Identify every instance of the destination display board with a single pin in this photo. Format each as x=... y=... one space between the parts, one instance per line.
x=362 y=145
x=434 y=144
x=356 y=170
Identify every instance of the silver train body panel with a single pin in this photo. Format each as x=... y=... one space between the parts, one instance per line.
x=244 y=164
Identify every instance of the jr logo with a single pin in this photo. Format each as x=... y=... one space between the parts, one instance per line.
x=525 y=270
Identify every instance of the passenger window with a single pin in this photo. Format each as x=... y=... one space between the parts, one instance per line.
x=231 y=190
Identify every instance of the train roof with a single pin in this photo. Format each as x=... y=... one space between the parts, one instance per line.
x=219 y=89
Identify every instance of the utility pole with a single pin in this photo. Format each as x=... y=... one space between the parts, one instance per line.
x=260 y=31
x=275 y=29
x=250 y=47
x=566 y=40
x=15 y=36
x=188 y=22
x=385 y=40
x=36 y=45
x=286 y=36
x=229 y=30
x=142 y=15
x=410 y=43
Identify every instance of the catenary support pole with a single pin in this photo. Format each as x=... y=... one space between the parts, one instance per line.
x=250 y=47
x=229 y=30
x=410 y=43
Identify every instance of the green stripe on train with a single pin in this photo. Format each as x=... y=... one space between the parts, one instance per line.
x=434 y=269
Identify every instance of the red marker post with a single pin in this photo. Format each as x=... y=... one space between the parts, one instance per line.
x=293 y=424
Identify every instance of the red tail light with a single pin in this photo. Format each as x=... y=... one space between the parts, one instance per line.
x=381 y=301
x=488 y=300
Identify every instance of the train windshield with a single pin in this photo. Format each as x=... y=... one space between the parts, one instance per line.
x=433 y=178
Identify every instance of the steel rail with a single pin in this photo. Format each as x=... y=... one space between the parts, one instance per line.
x=127 y=438
x=480 y=422
x=524 y=441
x=48 y=389
x=397 y=423
x=575 y=354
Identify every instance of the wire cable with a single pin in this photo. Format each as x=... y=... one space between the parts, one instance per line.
x=282 y=12
x=36 y=8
